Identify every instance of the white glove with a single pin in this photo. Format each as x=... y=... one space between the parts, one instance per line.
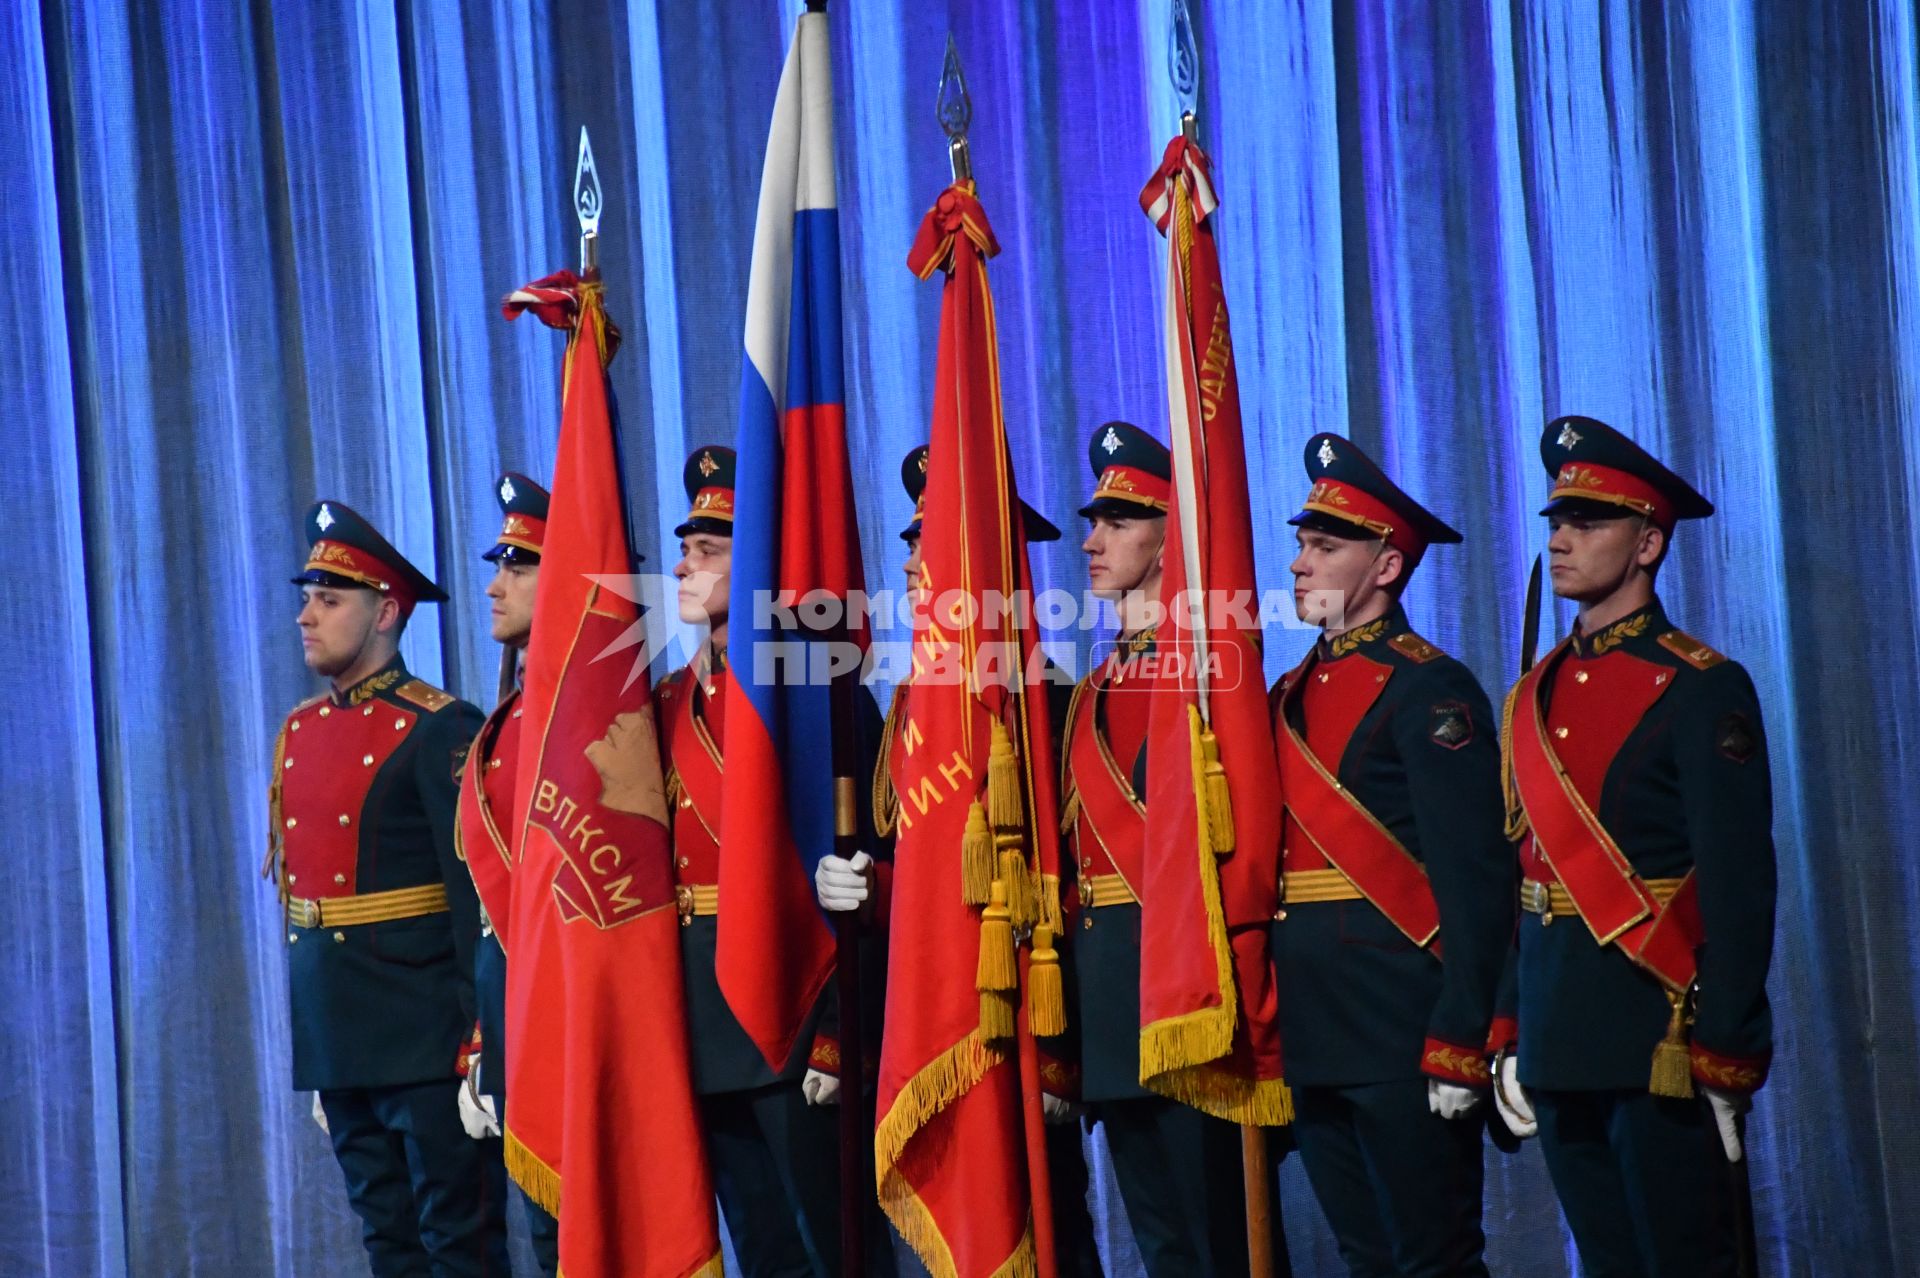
x=818 y=1088
x=1451 y=1100
x=1516 y=1111
x=841 y=884
x=1727 y=1108
x=1054 y=1111
x=477 y=1113
x=320 y=1114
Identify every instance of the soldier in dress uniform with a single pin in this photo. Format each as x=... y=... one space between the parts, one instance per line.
x=847 y=885
x=488 y=822
x=772 y=1135
x=1638 y=788
x=1178 y=1169
x=1396 y=885
x=381 y=914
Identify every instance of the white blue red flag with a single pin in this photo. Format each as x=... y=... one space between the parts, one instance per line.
x=794 y=539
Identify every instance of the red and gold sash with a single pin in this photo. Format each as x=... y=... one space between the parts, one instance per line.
x=695 y=760
x=1618 y=906
x=484 y=843
x=1109 y=813
x=1350 y=837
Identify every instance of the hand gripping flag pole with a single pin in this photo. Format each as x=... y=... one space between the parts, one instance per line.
x=1209 y=1025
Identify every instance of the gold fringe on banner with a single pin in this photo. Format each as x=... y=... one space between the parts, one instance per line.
x=976 y=857
x=1046 y=993
x=996 y=969
x=539 y=1181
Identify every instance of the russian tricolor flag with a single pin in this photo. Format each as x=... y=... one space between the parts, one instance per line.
x=794 y=537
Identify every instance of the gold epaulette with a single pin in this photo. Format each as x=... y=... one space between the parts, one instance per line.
x=424 y=695
x=1690 y=650
x=1414 y=648
x=314 y=700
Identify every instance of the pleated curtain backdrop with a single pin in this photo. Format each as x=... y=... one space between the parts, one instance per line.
x=255 y=251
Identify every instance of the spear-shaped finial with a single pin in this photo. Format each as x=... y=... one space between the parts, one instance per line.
x=1183 y=65
x=955 y=110
x=586 y=205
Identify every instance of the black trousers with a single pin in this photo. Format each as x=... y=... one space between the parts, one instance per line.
x=1075 y=1253
x=543 y=1233
x=1399 y=1185
x=430 y=1198
x=776 y=1169
x=1180 y=1178
x=1643 y=1180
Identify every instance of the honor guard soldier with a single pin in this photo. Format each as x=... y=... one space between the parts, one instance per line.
x=488 y=821
x=1178 y=1169
x=381 y=914
x=844 y=885
x=772 y=1136
x=1638 y=789
x=1396 y=885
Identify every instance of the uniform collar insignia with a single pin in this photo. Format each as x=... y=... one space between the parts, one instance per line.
x=373 y=685
x=1607 y=638
x=1350 y=640
x=324 y=520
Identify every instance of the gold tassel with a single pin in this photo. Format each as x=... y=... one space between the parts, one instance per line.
x=1046 y=994
x=1218 y=800
x=976 y=857
x=1672 y=1066
x=1003 y=782
x=996 y=969
x=1022 y=902
x=996 y=1014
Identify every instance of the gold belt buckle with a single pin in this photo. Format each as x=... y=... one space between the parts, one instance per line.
x=303 y=912
x=1542 y=894
x=683 y=902
x=1086 y=893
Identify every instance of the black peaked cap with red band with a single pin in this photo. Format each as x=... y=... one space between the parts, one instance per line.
x=1133 y=473
x=343 y=549
x=913 y=477
x=1352 y=497
x=1598 y=472
x=523 y=528
x=708 y=476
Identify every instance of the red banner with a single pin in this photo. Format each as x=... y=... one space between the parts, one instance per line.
x=601 y=1126
x=1209 y=1031
x=957 y=1150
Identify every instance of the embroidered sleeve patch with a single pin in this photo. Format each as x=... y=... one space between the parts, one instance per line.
x=1451 y=724
x=1736 y=738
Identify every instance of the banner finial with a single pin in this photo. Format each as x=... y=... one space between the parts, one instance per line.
x=955 y=110
x=587 y=204
x=1183 y=64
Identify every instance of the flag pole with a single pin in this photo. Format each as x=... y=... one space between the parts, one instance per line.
x=1183 y=69
x=954 y=108
x=855 y=1126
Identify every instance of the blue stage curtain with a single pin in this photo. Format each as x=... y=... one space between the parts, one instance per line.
x=256 y=251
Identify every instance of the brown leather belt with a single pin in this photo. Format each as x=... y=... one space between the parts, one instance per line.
x=1097 y=890
x=367 y=907
x=1551 y=900
x=696 y=900
x=1304 y=887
